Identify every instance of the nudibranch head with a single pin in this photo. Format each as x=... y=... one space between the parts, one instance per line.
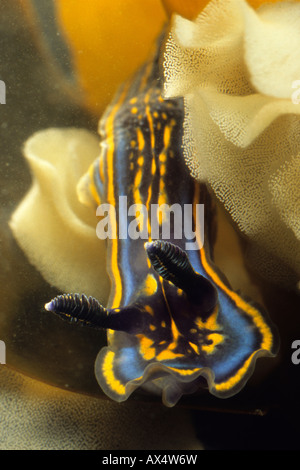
x=185 y=342
x=168 y=341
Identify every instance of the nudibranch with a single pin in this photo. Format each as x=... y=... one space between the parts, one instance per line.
x=172 y=319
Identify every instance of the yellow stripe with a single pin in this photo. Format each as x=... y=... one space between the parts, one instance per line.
x=108 y=373
x=168 y=355
x=136 y=185
x=109 y=130
x=230 y=383
x=175 y=332
x=153 y=164
x=194 y=347
x=138 y=179
x=167 y=135
x=185 y=371
x=239 y=302
x=163 y=199
x=257 y=318
x=150 y=121
x=101 y=168
x=140 y=139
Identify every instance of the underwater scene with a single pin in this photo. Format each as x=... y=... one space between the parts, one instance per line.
x=150 y=234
